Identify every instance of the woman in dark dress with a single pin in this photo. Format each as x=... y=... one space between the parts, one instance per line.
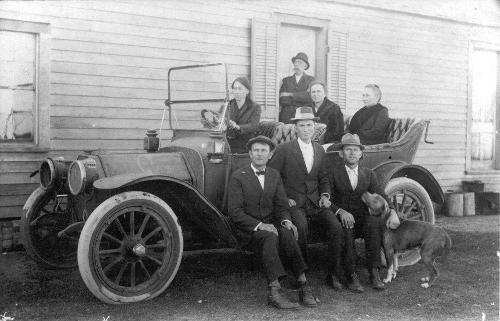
x=328 y=112
x=243 y=115
x=370 y=122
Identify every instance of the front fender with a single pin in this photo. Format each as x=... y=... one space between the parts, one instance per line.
x=387 y=171
x=33 y=197
x=188 y=203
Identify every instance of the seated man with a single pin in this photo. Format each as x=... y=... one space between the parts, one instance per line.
x=348 y=182
x=259 y=217
x=308 y=190
x=370 y=122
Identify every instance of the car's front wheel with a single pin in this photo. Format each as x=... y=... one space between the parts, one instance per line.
x=130 y=248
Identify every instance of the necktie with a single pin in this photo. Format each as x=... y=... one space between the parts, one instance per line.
x=260 y=173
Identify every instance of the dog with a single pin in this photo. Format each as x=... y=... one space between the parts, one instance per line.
x=433 y=240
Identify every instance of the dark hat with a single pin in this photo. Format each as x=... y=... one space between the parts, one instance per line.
x=302 y=56
x=261 y=139
x=304 y=113
x=350 y=139
x=244 y=81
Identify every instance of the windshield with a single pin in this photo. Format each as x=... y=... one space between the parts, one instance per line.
x=197 y=97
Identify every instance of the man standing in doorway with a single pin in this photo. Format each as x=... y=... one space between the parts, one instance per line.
x=293 y=91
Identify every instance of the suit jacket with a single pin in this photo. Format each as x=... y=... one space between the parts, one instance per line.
x=370 y=123
x=329 y=113
x=300 y=96
x=248 y=204
x=299 y=184
x=248 y=118
x=343 y=196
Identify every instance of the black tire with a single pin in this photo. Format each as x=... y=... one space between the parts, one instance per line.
x=410 y=199
x=412 y=202
x=130 y=248
x=46 y=216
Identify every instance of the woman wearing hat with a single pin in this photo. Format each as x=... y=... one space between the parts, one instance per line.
x=293 y=91
x=243 y=116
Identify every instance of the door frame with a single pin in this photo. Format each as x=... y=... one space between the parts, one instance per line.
x=480 y=45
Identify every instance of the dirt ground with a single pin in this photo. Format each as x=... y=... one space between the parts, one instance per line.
x=230 y=286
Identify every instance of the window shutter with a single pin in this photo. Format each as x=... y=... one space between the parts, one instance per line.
x=337 y=68
x=264 y=67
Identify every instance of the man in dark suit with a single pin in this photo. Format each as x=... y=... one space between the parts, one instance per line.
x=308 y=189
x=348 y=182
x=293 y=91
x=258 y=206
x=370 y=122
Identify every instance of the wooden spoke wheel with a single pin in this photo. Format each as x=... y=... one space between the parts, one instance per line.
x=48 y=215
x=410 y=199
x=130 y=248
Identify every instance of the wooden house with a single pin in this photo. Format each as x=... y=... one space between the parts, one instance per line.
x=82 y=75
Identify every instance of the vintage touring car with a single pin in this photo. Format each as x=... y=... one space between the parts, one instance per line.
x=126 y=218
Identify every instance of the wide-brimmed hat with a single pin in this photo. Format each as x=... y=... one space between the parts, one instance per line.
x=304 y=113
x=302 y=56
x=261 y=139
x=351 y=139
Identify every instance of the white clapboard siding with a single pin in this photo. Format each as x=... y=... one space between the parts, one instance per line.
x=109 y=63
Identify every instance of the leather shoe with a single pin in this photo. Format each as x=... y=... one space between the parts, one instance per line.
x=355 y=285
x=375 y=279
x=334 y=282
x=306 y=296
x=277 y=299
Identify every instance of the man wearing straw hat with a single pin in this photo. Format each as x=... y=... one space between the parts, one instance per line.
x=294 y=88
x=308 y=189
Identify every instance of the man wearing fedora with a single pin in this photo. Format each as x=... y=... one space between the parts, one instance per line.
x=294 y=88
x=308 y=190
x=258 y=207
x=348 y=182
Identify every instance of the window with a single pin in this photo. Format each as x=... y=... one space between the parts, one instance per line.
x=484 y=117
x=24 y=93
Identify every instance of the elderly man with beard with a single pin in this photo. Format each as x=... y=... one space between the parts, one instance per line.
x=294 y=89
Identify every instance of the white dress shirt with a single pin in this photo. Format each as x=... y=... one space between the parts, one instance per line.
x=297 y=78
x=261 y=178
x=353 y=176
x=308 y=154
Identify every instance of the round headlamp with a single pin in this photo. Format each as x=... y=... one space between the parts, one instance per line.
x=53 y=172
x=81 y=174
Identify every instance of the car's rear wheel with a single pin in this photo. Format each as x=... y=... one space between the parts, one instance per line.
x=130 y=248
x=41 y=223
x=412 y=202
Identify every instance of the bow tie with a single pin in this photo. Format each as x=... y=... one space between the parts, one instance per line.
x=260 y=173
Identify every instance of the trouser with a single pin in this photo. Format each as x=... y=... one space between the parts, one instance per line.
x=272 y=249
x=286 y=113
x=326 y=218
x=370 y=228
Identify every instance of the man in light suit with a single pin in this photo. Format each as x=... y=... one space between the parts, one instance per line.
x=258 y=207
x=308 y=189
x=348 y=182
x=294 y=88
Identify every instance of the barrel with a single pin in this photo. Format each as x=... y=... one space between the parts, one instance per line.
x=454 y=204
x=8 y=235
x=469 y=204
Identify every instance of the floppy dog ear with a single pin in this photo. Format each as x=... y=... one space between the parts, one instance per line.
x=393 y=220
